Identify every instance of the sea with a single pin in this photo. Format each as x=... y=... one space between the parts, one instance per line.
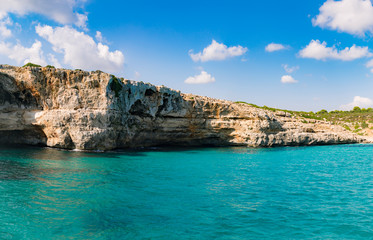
x=320 y=192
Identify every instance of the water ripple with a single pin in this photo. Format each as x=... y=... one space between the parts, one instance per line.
x=218 y=193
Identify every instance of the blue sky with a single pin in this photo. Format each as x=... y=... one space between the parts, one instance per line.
x=318 y=52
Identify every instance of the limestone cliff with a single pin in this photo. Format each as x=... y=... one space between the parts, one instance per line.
x=96 y=111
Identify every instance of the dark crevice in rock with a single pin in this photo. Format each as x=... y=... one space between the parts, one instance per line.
x=34 y=136
x=162 y=107
x=139 y=109
x=149 y=92
x=10 y=93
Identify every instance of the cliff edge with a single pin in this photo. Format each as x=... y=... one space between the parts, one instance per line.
x=97 y=111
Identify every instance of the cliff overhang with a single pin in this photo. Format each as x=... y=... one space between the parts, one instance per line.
x=97 y=111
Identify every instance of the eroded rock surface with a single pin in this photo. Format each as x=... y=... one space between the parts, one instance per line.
x=96 y=111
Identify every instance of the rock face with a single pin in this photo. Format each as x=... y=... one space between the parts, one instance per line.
x=96 y=111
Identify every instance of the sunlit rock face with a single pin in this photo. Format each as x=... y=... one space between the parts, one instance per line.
x=96 y=111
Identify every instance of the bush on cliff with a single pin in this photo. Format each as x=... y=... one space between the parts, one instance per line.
x=31 y=65
x=323 y=111
x=362 y=117
x=115 y=85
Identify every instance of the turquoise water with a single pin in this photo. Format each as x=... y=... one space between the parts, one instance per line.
x=216 y=193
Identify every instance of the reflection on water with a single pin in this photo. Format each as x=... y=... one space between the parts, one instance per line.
x=213 y=193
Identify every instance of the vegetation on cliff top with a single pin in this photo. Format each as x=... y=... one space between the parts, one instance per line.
x=355 y=120
x=115 y=85
x=31 y=65
x=36 y=65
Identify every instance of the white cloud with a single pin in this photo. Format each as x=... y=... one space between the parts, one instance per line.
x=350 y=16
x=289 y=69
x=23 y=54
x=369 y=64
x=54 y=61
x=202 y=78
x=320 y=51
x=98 y=36
x=5 y=32
x=288 y=79
x=80 y=50
x=60 y=11
x=273 y=47
x=217 y=51
x=358 y=101
x=82 y=20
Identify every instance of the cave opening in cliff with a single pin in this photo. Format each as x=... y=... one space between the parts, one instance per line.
x=34 y=137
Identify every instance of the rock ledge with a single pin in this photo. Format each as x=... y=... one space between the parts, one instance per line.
x=96 y=111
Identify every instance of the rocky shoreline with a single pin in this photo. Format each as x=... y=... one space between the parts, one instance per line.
x=97 y=111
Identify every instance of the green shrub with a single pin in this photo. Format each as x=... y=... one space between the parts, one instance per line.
x=49 y=66
x=115 y=85
x=323 y=111
x=357 y=116
x=31 y=65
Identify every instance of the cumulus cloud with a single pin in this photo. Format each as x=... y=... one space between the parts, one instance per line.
x=98 y=36
x=289 y=69
x=350 y=16
x=358 y=101
x=80 y=50
x=288 y=79
x=202 y=78
x=54 y=61
x=320 y=51
x=60 y=11
x=82 y=20
x=369 y=64
x=217 y=51
x=5 y=32
x=23 y=54
x=273 y=47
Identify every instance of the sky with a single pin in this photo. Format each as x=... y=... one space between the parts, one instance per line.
x=290 y=54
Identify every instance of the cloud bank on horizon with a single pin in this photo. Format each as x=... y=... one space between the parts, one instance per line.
x=62 y=37
x=79 y=50
x=358 y=101
x=62 y=12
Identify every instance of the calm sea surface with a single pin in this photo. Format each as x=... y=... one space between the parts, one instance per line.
x=215 y=193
